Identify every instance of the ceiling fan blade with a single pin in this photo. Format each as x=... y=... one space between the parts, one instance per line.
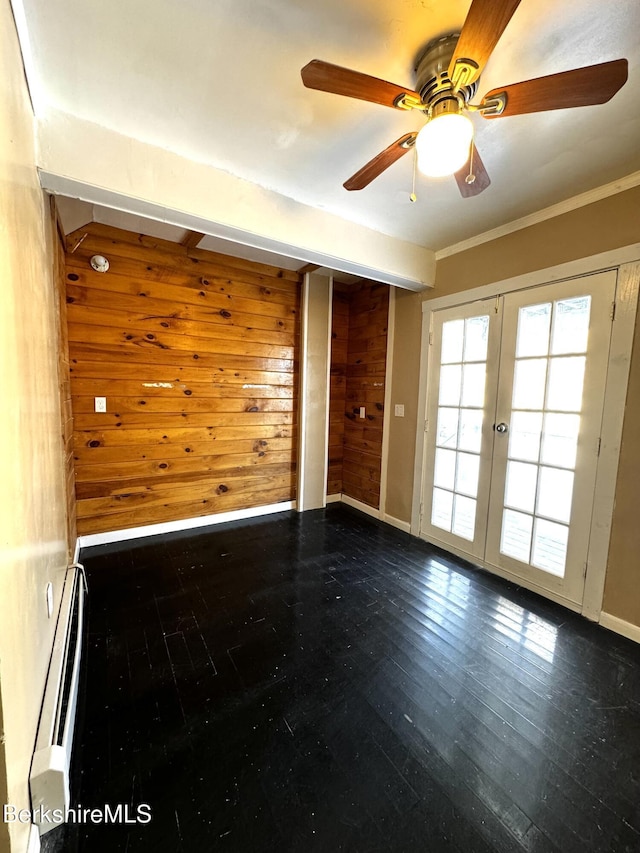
x=343 y=81
x=473 y=166
x=581 y=87
x=484 y=24
x=380 y=162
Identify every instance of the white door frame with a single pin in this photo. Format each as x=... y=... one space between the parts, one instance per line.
x=627 y=261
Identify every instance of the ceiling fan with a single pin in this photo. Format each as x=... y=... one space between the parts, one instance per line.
x=447 y=72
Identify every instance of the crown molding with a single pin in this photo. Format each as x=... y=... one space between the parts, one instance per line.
x=569 y=204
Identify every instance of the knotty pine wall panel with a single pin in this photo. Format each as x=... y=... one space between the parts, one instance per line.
x=365 y=384
x=197 y=355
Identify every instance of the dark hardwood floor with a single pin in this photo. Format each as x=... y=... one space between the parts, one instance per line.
x=323 y=682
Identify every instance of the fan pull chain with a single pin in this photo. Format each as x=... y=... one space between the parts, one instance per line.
x=413 y=197
x=470 y=179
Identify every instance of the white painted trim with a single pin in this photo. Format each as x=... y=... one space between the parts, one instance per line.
x=572 y=269
x=334 y=499
x=302 y=379
x=76 y=551
x=386 y=415
x=33 y=842
x=368 y=510
x=622 y=333
x=558 y=209
x=91 y=539
x=626 y=629
x=396 y=522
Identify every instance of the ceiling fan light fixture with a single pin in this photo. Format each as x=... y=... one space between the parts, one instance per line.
x=443 y=144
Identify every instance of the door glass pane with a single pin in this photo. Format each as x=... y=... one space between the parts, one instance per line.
x=450 y=377
x=571 y=325
x=551 y=385
x=470 y=430
x=566 y=376
x=520 y=490
x=529 y=382
x=445 y=468
x=524 y=438
x=555 y=493
x=441 y=509
x=464 y=517
x=452 y=336
x=516 y=535
x=560 y=439
x=447 y=432
x=467 y=474
x=473 y=385
x=476 y=338
x=533 y=330
x=550 y=547
x=460 y=419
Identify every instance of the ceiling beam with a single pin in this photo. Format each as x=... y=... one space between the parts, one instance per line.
x=325 y=239
x=191 y=239
x=308 y=268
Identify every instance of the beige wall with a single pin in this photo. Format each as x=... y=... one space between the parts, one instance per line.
x=607 y=224
x=5 y=846
x=404 y=390
x=622 y=588
x=598 y=227
x=32 y=501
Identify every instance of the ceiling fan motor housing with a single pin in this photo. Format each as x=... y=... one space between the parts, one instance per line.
x=432 y=78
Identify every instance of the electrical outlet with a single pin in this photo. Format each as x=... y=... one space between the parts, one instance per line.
x=399 y=410
x=363 y=414
x=100 y=404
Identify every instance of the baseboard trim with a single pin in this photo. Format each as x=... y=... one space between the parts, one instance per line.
x=33 y=844
x=107 y=538
x=368 y=510
x=626 y=629
x=405 y=526
x=333 y=499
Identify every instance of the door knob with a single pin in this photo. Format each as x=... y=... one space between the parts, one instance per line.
x=501 y=427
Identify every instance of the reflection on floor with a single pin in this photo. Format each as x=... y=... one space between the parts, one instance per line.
x=323 y=682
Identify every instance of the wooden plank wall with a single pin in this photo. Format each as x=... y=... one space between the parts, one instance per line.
x=365 y=326
x=338 y=390
x=197 y=355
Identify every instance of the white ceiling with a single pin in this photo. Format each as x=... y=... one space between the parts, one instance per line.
x=218 y=81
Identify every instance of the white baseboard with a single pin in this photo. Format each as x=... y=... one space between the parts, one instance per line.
x=369 y=510
x=182 y=524
x=332 y=499
x=626 y=629
x=405 y=526
x=33 y=844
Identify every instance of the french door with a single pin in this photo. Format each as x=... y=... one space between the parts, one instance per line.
x=516 y=389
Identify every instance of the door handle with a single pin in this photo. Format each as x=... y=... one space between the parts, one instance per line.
x=501 y=427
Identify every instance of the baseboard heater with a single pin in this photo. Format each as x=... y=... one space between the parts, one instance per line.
x=49 y=778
